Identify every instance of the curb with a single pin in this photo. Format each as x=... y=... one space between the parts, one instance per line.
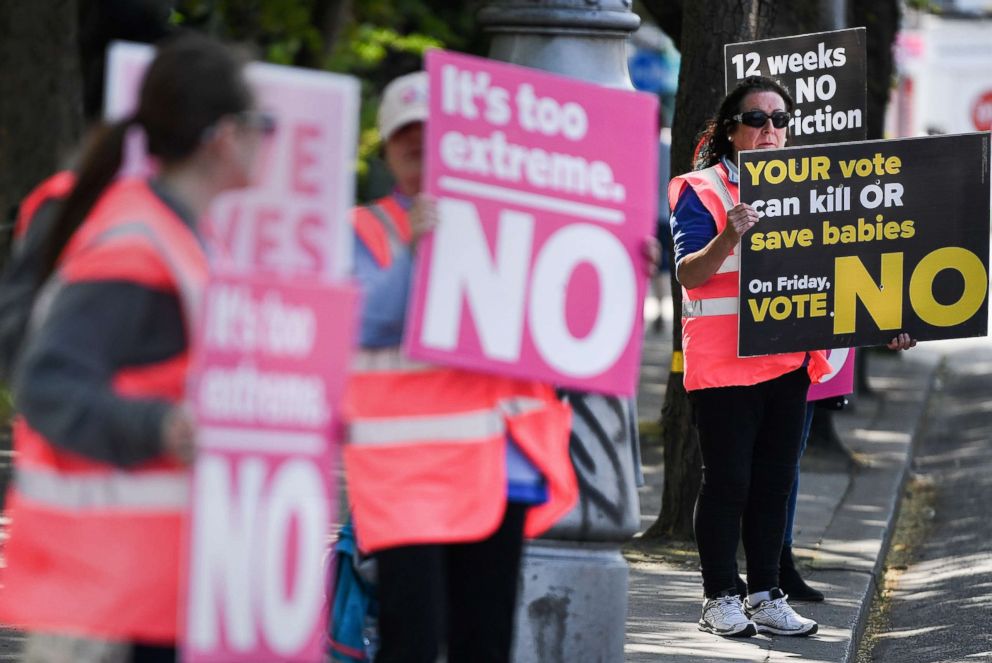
x=861 y=481
x=852 y=515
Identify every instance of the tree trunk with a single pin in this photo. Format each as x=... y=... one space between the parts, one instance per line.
x=41 y=109
x=706 y=26
x=330 y=18
x=881 y=19
x=683 y=465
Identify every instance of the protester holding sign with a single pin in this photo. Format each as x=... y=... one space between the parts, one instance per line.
x=749 y=412
x=101 y=480
x=817 y=67
x=447 y=469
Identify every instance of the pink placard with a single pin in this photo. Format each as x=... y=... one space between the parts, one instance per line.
x=840 y=381
x=546 y=190
x=270 y=367
x=294 y=221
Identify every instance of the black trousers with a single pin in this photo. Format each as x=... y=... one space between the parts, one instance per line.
x=465 y=592
x=749 y=438
x=153 y=654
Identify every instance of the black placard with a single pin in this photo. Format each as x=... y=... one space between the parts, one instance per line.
x=824 y=72
x=859 y=241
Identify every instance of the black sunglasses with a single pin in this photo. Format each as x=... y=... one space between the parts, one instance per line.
x=262 y=121
x=757 y=119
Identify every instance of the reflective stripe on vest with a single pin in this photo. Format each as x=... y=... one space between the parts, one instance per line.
x=719 y=186
x=384 y=218
x=386 y=360
x=189 y=286
x=144 y=491
x=397 y=215
x=188 y=275
x=463 y=427
x=712 y=306
x=388 y=224
x=469 y=427
x=731 y=263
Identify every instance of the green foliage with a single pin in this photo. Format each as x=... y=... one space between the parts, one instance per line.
x=6 y=405
x=374 y=40
x=368 y=46
x=451 y=23
x=376 y=55
x=282 y=30
x=388 y=38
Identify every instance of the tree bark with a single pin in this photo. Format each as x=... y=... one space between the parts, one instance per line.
x=706 y=26
x=683 y=466
x=881 y=19
x=41 y=107
x=330 y=18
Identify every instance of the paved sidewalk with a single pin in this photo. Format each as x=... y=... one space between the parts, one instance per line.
x=844 y=523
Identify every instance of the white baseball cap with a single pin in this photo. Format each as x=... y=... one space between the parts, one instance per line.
x=403 y=101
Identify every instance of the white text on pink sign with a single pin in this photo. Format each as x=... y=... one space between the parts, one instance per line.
x=546 y=191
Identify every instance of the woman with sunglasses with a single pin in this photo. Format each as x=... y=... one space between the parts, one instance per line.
x=101 y=477
x=749 y=412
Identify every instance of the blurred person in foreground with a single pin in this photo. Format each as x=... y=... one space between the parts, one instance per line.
x=104 y=444
x=750 y=411
x=447 y=470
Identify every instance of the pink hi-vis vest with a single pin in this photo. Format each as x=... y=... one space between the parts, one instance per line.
x=709 y=312
x=95 y=549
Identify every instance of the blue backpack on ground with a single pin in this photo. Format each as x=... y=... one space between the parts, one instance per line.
x=350 y=630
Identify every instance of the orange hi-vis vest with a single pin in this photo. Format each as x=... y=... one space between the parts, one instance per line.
x=425 y=457
x=709 y=312
x=95 y=549
x=56 y=187
x=383 y=227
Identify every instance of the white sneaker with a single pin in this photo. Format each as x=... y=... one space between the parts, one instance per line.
x=776 y=616
x=724 y=615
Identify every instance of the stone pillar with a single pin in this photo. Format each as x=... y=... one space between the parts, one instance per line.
x=573 y=594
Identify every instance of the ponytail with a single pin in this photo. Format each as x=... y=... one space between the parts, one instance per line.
x=703 y=154
x=99 y=167
x=192 y=83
